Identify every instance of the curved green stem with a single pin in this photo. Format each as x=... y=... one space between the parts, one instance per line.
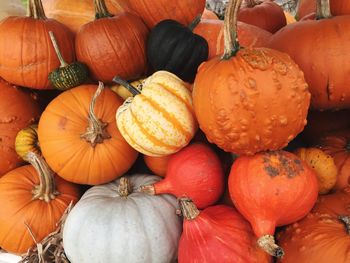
x=134 y=91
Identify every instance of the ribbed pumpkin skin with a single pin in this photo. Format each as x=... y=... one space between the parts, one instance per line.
x=219 y=234
x=113 y=46
x=321 y=236
x=160 y=121
x=73 y=158
x=18 y=208
x=32 y=55
x=267 y=15
x=255 y=101
x=11 y=8
x=154 y=11
x=17 y=111
x=272 y=189
x=140 y=228
x=77 y=13
x=337 y=145
x=213 y=32
x=324 y=65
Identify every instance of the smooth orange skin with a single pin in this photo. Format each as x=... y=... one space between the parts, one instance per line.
x=18 y=109
x=323 y=62
x=154 y=11
x=267 y=15
x=208 y=14
x=335 y=144
x=213 y=32
x=113 y=46
x=338 y=7
x=74 y=14
x=74 y=159
x=157 y=165
x=272 y=189
x=18 y=208
x=255 y=101
x=26 y=52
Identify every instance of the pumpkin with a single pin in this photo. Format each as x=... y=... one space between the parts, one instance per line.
x=154 y=11
x=337 y=145
x=324 y=66
x=338 y=7
x=141 y=228
x=67 y=75
x=158 y=165
x=79 y=138
x=195 y=172
x=123 y=92
x=175 y=48
x=27 y=141
x=37 y=201
x=32 y=56
x=267 y=15
x=324 y=166
x=11 y=8
x=77 y=13
x=222 y=226
x=113 y=45
x=289 y=17
x=323 y=235
x=213 y=32
x=18 y=109
x=159 y=120
x=208 y=14
x=252 y=99
x=272 y=189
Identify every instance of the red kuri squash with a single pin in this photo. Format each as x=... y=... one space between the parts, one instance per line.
x=272 y=189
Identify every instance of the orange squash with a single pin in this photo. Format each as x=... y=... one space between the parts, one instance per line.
x=208 y=14
x=338 y=7
x=18 y=109
x=79 y=138
x=158 y=165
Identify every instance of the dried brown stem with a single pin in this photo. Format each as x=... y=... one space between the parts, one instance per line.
x=36 y=9
x=101 y=10
x=323 y=10
x=230 y=29
x=57 y=50
x=268 y=244
x=188 y=208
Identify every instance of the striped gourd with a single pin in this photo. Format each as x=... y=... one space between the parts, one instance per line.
x=160 y=119
x=27 y=141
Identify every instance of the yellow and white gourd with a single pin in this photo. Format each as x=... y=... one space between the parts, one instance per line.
x=160 y=119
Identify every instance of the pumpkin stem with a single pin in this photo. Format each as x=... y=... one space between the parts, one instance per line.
x=57 y=50
x=346 y=221
x=96 y=132
x=148 y=189
x=134 y=91
x=188 y=208
x=36 y=9
x=124 y=188
x=230 y=29
x=195 y=22
x=268 y=244
x=46 y=190
x=323 y=9
x=101 y=10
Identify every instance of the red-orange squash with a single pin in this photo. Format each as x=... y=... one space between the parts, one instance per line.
x=74 y=14
x=32 y=199
x=18 y=109
x=208 y=14
x=320 y=49
x=337 y=145
x=213 y=32
x=154 y=11
x=113 y=45
x=79 y=138
x=26 y=53
x=338 y=7
x=266 y=14
x=272 y=189
x=250 y=99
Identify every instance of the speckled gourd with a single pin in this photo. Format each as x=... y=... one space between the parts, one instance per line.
x=160 y=119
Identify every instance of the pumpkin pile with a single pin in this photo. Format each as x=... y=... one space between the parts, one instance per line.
x=162 y=131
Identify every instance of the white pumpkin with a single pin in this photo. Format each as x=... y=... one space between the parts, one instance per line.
x=11 y=8
x=107 y=227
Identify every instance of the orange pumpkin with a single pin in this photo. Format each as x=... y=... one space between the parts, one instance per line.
x=338 y=7
x=26 y=53
x=154 y=11
x=79 y=138
x=18 y=109
x=208 y=14
x=250 y=99
x=74 y=14
x=113 y=45
x=337 y=145
x=158 y=165
x=213 y=32
x=38 y=201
